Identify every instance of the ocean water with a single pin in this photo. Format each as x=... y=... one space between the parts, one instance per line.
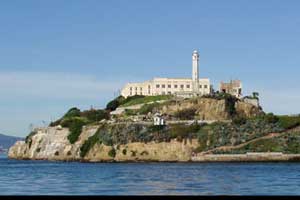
x=73 y=178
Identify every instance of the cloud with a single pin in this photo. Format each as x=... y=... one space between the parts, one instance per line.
x=54 y=85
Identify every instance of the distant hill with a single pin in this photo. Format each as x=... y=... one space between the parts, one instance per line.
x=7 y=141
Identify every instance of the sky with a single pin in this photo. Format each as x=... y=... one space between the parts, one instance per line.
x=56 y=54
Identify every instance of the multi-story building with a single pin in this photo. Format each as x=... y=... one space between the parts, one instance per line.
x=186 y=87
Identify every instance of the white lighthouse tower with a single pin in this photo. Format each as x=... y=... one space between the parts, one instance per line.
x=195 y=77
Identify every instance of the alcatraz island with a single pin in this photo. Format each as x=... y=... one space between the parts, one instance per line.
x=168 y=120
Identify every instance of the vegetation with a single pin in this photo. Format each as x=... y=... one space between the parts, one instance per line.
x=88 y=144
x=145 y=109
x=75 y=125
x=134 y=100
x=114 y=104
x=28 y=137
x=221 y=134
x=74 y=119
x=229 y=101
x=289 y=143
x=288 y=122
x=181 y=132
x=111 y=135
x=186 y=114
x=112 y=153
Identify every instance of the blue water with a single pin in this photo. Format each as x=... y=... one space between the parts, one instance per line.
x=47 y=178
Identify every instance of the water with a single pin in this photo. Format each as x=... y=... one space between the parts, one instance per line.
x=55 y=178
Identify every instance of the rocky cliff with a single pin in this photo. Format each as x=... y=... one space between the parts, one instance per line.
x=213 y=109
x=52 y=144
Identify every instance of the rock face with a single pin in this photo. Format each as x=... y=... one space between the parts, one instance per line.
x=212 y=109
x=245 y=109
x=52 y=144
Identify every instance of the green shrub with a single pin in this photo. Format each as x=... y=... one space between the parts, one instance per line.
x=88 y=144
x=75 y=126
x=112 y=153
x=28 y=137
x=288 y=122
x=114 y=104
x=90 y=116
x=181 y=132
x=95 y=115
x=239 y=120
x=230 y=104
x=71 y=121
x=271 y=118
x=73 y=112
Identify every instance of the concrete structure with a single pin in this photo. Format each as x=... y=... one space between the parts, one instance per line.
x=234 y=87
x=186 y=87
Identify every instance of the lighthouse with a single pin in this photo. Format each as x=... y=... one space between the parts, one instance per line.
x=195 y=75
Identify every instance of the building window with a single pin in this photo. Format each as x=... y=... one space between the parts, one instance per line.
x=205 y=86
x=200 y=86
x=163 y=93
x=149 y=87
x=157 y=86
x=175 y=86
x=187 y=86
x=130 y=88
x=141 y=89
x=169 y=92
x=163 y=86
x=169 y=86
x=136 y=89
x=130 y=93
x=181 y=86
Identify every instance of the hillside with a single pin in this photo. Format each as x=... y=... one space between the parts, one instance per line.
x=195 y=127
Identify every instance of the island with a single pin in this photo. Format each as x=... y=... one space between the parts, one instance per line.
x=167 y=128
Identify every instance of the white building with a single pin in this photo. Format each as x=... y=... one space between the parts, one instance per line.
x=158 y=120
x=186 y=87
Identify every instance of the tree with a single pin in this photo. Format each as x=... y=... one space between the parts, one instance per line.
x=255 y=95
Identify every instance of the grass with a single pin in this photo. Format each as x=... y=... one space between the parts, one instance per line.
x=289 y=144
x=288 y=122
x=146 y=99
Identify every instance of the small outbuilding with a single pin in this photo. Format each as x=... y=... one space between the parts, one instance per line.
x=158 y=119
